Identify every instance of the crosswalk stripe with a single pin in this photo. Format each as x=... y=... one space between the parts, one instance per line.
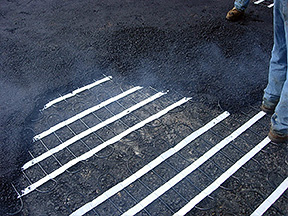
x=271 y=199
x=259 y=1
x=77 y=91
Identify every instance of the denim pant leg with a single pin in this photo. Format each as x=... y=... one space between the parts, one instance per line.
x=241 y=5
x=278 y=74
x=278 y=62
x=279 y=119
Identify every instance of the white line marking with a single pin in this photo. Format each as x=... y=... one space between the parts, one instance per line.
x=271 y=5
x=100 y=147
x=259 y=1
x=212 y=187
x=73 y=93
x=271 y=199
x=120 y=186
x=176 y=179
x=84 y=113
x=91 y=130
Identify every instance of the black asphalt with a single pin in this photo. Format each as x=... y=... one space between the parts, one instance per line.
x=51 y=47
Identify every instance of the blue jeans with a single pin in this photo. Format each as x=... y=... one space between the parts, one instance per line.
x=241 y=5
x=277 y=88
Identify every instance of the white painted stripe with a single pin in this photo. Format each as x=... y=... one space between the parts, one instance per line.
x=259 y=1
x=196 y=164
x=77 y=91
x=91 y=130
x=216 y=184
x=271 y=5
x=120 y=186
x=100 y=147
x=85 y=113
x=271 y=199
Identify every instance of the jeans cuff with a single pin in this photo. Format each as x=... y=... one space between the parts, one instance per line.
x=278 y=128
x=269 y=104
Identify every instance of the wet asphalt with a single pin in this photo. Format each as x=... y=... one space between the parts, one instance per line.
x=51 y=47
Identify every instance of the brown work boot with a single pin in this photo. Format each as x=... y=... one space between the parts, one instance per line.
x=234 y=15
x=268 y=106
x=276 y=137
x=267 y=109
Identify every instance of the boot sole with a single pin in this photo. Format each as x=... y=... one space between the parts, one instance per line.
x=276 y=138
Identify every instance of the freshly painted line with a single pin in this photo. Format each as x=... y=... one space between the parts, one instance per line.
x=271 y=199
x=93 y=151
x=216 y=184
x=90 y=130
x=196 y=164
x=73 y=93
x=85 y=113
x=120 y=186
x=271 y=5
x=259 y=1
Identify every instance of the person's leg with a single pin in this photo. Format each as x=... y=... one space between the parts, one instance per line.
x=277 y=88
x=278 y=62
x=241 y=5
x=279 y=120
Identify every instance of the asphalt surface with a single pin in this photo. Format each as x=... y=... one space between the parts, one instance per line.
x=51 y=47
